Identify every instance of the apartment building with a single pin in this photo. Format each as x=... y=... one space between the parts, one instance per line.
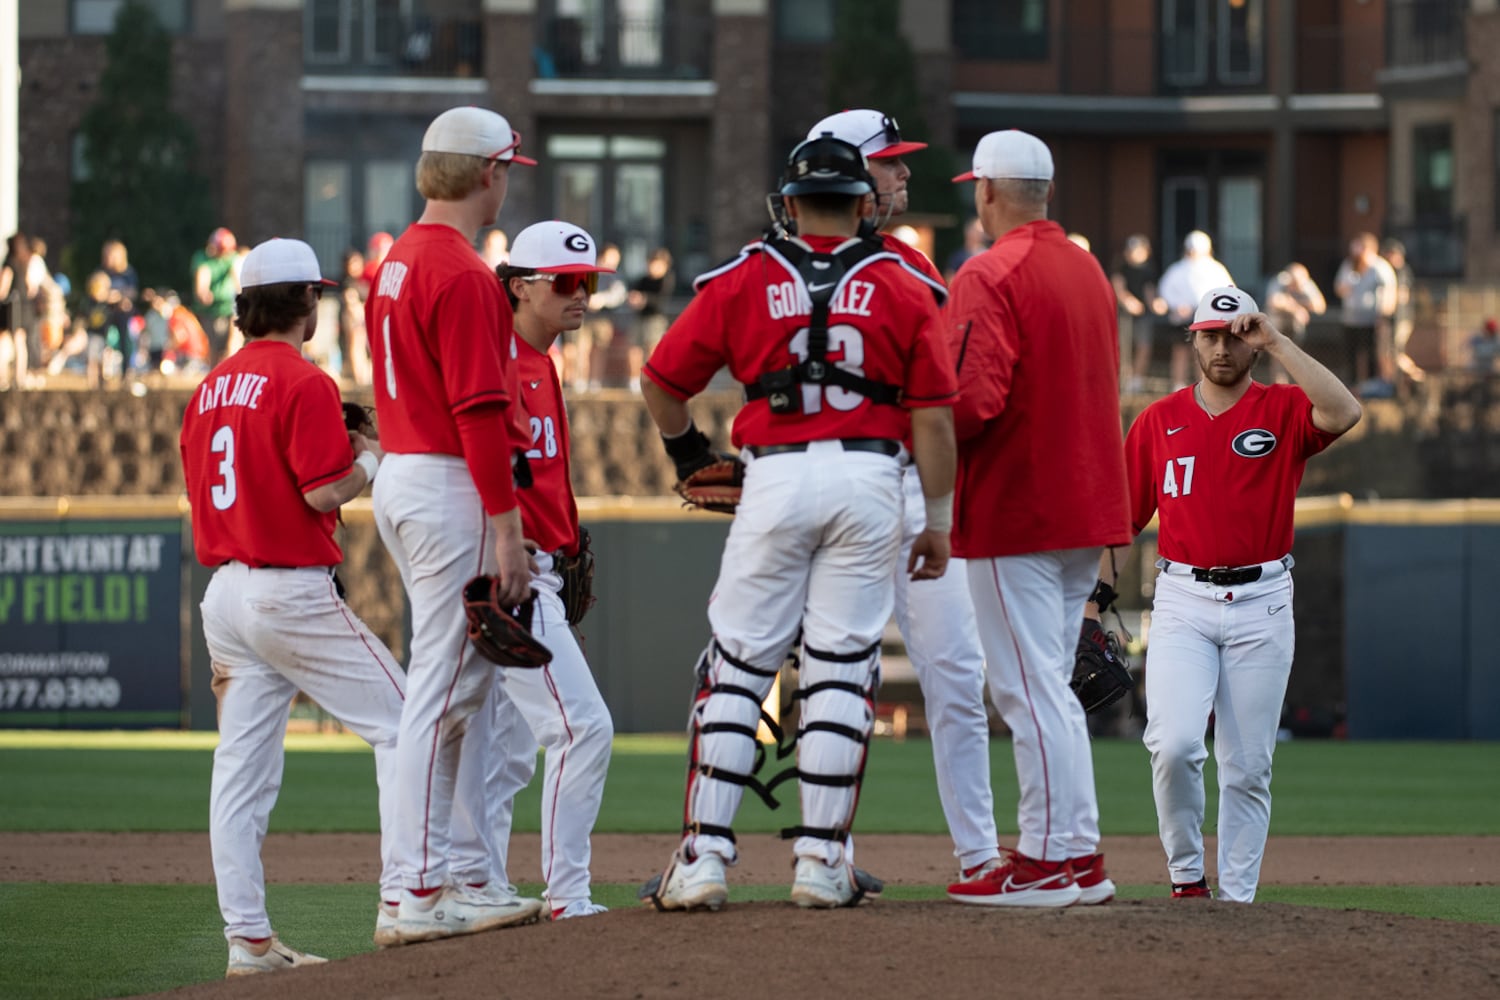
x=1280 y=126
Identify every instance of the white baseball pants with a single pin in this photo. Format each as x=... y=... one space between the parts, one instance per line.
x=936 y=618
x=434 y=526
x=1030 y=610
x=813 y=545
x=1225 y=650
x=559 y=707
x=271 y=632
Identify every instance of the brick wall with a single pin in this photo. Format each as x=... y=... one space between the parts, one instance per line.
x=262 y=144
x=740 y=132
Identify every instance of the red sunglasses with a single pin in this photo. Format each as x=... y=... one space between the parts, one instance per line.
x=569 y=283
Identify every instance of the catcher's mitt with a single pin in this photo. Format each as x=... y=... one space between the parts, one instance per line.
x=360 y=419
x=1100 y=676
x=715 y=487
x=501 y=634
x=577 y=574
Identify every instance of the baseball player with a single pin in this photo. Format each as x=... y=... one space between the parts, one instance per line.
x=834 y=339
x=445 y=393
x=1041 y=488
x=936 y=617
x=1219 y=464
x=551 y=273
x=267 y=463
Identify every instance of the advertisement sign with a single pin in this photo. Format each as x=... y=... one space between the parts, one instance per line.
x=90 y=623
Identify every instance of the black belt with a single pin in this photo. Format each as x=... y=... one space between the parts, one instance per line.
x=881 y=446
x=1227 y=576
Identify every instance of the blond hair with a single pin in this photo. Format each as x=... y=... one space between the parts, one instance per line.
x=448 y=176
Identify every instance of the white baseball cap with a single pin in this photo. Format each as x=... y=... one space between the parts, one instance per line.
x=1197 y=241
x=474 y=132
x=282 y=262
x=1010 y=154
x=1220 y=305
x=875 y=134
x=556 y=247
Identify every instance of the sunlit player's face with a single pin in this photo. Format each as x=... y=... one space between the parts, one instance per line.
x=1224 y=359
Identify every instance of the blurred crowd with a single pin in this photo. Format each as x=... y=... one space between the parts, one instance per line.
x=112 y=332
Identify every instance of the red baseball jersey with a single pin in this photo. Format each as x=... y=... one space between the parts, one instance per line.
x=914 y=257
x=262 y=429
x=549 y=513
x=1225 y=487
x=752 y=314
x=1041 y=461
x=432 y=316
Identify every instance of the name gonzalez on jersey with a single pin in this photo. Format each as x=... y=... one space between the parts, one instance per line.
x=789 y=299
x=1254 y=443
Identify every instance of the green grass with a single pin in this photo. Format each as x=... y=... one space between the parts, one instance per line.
x=1320 y=788
x=91 y=941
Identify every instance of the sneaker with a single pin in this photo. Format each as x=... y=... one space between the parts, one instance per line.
x=578 y=908
x=246 y=958
x=980 y=870
x=385 y=925
x=823 y=887
x=1192 y=890
x=1020 y=881
x=1093 y=883
x=461 y=909
x=688 y=885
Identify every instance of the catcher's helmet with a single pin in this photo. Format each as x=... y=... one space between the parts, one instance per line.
x=826 y=165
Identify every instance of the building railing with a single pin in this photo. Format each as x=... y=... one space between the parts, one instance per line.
x=417 y=46
x=1424 y=32
x=614 y=47
x=1434 y=244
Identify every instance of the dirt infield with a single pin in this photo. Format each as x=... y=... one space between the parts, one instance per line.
x=1154 y=948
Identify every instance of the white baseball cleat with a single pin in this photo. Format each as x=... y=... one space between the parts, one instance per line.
x=688 y=885
x=247 y=958
x=386 y=935
x=461 y=909
x=578 y=908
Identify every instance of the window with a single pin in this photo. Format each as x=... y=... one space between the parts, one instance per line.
x=1223 y=195
x=1001 y=29
x=615 y=187
x=1432 y=171
x=1213 y=43
x=805 y=21
x=97 y=17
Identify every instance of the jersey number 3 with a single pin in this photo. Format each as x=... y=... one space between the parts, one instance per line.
x=1169 y=484
x=223 y=493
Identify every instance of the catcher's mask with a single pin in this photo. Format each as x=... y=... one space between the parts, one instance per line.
x=826 y=165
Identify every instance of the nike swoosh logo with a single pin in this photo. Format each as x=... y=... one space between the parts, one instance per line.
x=1062 y=878
x=819 y=288
x=536 y=383
x=1174 y=430
x=1272 y=611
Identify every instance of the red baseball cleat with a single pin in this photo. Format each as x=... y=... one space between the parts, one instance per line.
x=1020 y=881
x=1192 y=890
x=1093 y=882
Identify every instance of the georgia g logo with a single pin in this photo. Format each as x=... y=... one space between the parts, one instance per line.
x=577 y=242
x=1225 y=303
x=1254 y=443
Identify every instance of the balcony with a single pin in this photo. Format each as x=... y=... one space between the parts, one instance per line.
x=1434 y=244
x=376 y=38
x=615 y=48
x=1424 y=32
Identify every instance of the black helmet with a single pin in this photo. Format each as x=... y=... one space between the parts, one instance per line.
x=826 y=165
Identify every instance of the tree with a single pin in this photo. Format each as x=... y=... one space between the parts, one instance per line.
x=139 y=185
x=872 y=66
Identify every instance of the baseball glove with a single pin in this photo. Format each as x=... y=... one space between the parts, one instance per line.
x=715 y=487
x=360 y=419
x=577 y=574
x=502 y=635
x=1100 y=676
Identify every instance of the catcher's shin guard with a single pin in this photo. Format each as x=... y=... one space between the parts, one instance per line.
x=723 y=751
x=838 y=713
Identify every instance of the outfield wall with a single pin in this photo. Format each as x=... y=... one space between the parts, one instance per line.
x=99 y=613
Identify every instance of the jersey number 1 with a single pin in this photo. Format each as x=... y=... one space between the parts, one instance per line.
x=1169 y=478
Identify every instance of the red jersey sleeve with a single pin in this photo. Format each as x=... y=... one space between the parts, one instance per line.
x=317 y=443
x=982 y=336
x=930 y=379
x=475 y=371
x=1140 y=471
x=1309 y=437
x=692 y=350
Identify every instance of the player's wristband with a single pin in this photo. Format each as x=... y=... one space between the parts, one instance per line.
x=369 y=463
x=688 y=449
x=1103 y=596
x=939 y=513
